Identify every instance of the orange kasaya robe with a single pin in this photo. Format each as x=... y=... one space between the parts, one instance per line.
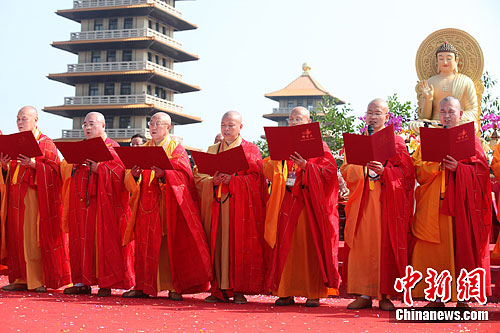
x=95 y=215
x=378 y=215
x=233 y=217
x=32 y=239
x=452 y=218
x=171 y=250
x=302 y=227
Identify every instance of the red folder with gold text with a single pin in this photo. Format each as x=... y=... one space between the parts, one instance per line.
x=144 y=157
x=230 y=161
x=22 y=143
x=361 y=149
x=304 y=139
x=77 y=152
x=458 y=142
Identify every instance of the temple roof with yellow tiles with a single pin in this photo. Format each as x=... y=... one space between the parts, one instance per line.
x=304 y=85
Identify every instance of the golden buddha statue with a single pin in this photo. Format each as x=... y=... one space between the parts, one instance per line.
x=447 y=82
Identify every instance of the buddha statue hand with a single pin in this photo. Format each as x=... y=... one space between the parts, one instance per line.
x=426 y=89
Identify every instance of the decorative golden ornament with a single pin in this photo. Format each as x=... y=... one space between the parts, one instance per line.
x=306 y=68
x=470 y=55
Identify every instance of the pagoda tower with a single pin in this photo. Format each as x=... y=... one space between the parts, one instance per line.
x=126 y=54
x=303 y=91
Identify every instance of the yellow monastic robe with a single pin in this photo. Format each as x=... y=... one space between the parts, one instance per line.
x=204 y=186
x=434 y=231
x=363 y=236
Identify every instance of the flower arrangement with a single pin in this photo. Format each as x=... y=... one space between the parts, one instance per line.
x=489 y=121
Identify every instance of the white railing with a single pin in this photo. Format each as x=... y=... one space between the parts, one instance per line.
x=120 y=133
x=124 y=33
x=123 y=99
x=111 y=3
x=123 y=66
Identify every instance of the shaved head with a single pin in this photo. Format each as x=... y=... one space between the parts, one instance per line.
x=299 y=116
x=230 y=126
x=235 y=115
x=450 y=111
x=377 y=113
x=380 y=102
x=29 y=110
x=96 y=116
x=162 y=116
x=27 y=118
x=160 y=125
x=94 y=125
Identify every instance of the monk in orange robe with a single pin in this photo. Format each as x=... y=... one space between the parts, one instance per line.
x=171 y=250
x=95 y=214
x=32 y=239
x=302 y=224
x=495 y=167
x=453 y=212
x=378 y=216
x=233 y=214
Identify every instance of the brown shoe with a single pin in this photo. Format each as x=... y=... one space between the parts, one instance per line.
x=15 y=287
x=173 y=296
x=135 y=294
x=312 y=303
x=104 y=292
x=213 y=299
x=386 y=305
x=240 y=299
x=463 y=305
x=435 y=305
x=284 y=301
x=78 y=290
x=360 y=303
x=40 y=289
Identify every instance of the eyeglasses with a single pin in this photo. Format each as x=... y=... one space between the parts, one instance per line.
x=156 y=124
x=89 y=124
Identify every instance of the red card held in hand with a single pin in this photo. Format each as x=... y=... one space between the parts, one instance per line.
x=458 y=142
x=144 y=157
x=230 y=161
x=77 y=152
x=361 y=149
x=304 y=139
x=22 y=143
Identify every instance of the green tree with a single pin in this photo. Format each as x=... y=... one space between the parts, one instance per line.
x=334 y=121
x=262 y=145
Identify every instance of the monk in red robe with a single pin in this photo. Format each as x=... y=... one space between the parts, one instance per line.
x=495 y=167
x=171 y=250
x=233 y=214
x=302 y=224
x=95 y=214
x=378 y=216
x=3 y=215
x=32 y=239
x=453 y=212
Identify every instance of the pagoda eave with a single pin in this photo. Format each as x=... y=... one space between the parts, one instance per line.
x=123 y=43
x=150 y=9
x=125 y=76
x=71 y=111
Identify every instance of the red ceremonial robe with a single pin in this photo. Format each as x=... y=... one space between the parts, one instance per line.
x=468 y=200
x=396 y=200
x=247 y=194
x=316 y=190
x=97 y=216
x=46 y=182
x=171 y=209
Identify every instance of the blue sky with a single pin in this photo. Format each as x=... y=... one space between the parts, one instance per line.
x=358 y=50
